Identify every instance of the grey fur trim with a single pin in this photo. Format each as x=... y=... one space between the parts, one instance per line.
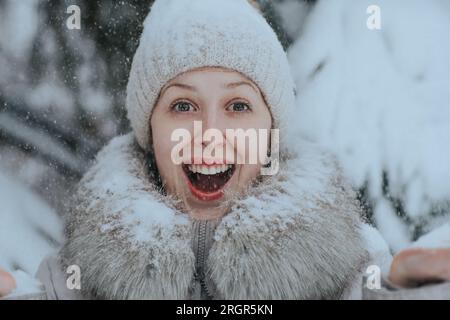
x=295 y=235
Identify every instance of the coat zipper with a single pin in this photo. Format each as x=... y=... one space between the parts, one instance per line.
x=202 y=284
x=201 y=257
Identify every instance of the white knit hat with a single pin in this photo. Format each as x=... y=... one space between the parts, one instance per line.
x=181 y=35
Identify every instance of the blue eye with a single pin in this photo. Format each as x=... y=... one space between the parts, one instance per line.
x=239 y=107
x=183 y=107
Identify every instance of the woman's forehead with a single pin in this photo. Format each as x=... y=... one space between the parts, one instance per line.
x=226 y=78
x=211 y=72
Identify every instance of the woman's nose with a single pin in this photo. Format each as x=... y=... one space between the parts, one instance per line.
x=213 y=119
x=213 y=124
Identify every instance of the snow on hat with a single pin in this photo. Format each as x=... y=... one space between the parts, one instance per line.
x=182 y=35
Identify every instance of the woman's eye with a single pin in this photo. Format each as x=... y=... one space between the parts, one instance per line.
x=239 y=107
x=183 y=107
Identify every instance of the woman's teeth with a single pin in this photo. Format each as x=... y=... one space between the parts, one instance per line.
x=209 y=170
x=206 y=182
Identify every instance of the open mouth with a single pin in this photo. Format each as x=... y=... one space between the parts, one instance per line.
x=207 y=182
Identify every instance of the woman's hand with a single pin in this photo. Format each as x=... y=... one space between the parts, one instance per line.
x=7 y=283
x=413 y=267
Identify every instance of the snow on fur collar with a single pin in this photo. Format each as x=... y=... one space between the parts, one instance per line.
x=294 y=236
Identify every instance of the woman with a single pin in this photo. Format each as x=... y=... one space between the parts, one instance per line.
x=144 y=226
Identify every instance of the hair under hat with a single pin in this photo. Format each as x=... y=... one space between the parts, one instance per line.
x=182 y=35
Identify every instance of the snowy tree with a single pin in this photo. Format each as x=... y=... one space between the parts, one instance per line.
x=380 y=100
x=62 y=90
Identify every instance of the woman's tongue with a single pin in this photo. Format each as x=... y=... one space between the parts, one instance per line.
x=208 y=183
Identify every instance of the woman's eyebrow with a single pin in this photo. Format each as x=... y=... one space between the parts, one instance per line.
x=179 y=85
x=241 y=83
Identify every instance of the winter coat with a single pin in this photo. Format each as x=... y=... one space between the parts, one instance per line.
x=295 y=235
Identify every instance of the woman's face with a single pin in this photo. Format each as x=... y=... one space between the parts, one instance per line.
x=210 y=168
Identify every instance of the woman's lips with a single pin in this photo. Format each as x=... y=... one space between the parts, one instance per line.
x=202 y=194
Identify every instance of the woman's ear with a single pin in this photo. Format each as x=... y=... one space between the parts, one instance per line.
x=150 y=135
x=269 y=150
x=152 y=167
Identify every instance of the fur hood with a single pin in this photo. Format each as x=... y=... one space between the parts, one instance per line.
x=295 y=235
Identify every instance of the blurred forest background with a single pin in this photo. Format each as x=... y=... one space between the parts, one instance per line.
x=62 y=91
x=378 y=99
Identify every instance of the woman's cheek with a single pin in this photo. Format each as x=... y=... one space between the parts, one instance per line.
x=248 y=172
x=162 y=147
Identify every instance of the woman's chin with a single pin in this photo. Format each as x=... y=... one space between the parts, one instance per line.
x=205 y=207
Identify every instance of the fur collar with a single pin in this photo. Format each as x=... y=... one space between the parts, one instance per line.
x=296 y=235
